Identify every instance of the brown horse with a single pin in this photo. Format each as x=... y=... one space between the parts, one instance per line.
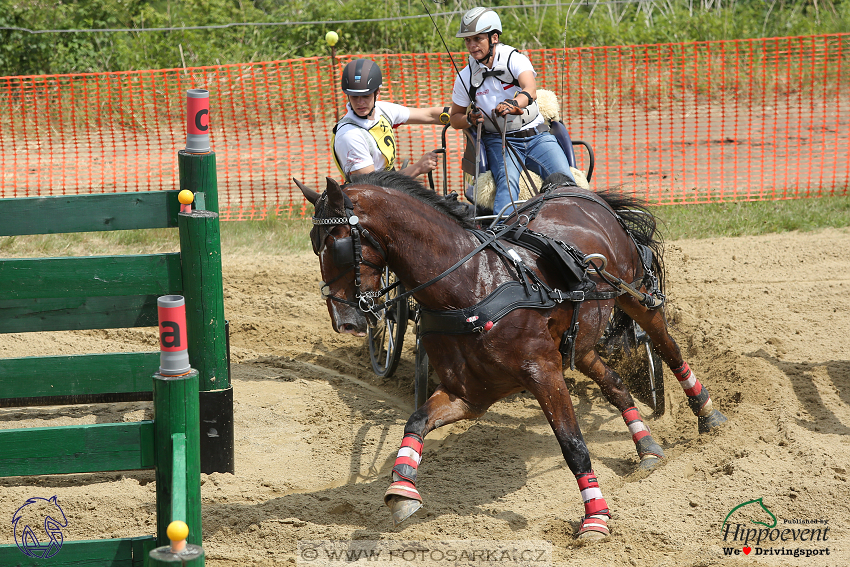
x=482 y=346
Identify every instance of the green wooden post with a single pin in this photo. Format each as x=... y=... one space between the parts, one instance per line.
x=200 y=250
x=198 y=175
x=175 y=400
x=200 y=245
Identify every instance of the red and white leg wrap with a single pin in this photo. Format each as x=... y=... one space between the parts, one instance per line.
x=645 y=445
x=636 y=426
x=405 y=468
x=596 y=511
x=698 y=398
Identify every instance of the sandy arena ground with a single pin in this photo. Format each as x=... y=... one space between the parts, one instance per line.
x=762 y=321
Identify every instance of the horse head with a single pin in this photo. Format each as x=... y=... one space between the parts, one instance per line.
x=350 y=259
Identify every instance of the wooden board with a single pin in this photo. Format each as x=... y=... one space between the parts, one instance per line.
x=88 y=276
x=77 y=448
x=120 y=552
x=84 y=374
x=88 y=213
x=77 y=313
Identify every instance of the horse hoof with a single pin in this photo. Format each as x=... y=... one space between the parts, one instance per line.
x=593 y=528
x=710 y=421
x=402 y=508
x=648 y=462
x=650 y=453
x=592 y=536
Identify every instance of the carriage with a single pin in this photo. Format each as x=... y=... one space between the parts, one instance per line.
x=625 y=345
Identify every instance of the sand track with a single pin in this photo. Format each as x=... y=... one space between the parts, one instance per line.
x=763 y=322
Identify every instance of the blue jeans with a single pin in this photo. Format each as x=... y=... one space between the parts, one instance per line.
x=542 y=154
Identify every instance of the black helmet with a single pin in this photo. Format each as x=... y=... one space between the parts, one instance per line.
x=361 y=77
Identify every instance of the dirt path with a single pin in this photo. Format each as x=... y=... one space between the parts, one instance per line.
x=763 y=322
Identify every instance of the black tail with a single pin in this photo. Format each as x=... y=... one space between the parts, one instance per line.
x=643 y=225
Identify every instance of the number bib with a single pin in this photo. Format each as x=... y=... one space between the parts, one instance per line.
x=383 y=134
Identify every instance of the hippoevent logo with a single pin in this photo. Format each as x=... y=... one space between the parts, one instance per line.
x=39 y=519
x=792 y=537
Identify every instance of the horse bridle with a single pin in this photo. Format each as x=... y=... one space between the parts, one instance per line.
x=346 y=254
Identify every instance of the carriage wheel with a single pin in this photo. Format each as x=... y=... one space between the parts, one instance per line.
x=656 y=369
x=387 y=336
x=420 y=384
x=628 y=350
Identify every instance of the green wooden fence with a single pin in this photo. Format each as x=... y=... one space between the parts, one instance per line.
x=104 y=292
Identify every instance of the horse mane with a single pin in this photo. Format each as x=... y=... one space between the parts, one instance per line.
x=391 y=179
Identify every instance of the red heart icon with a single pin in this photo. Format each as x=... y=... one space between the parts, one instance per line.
x=747 y=550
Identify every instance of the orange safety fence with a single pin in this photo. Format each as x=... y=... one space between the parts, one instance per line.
x=672 y=123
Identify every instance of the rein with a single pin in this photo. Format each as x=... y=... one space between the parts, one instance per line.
x=365 y=300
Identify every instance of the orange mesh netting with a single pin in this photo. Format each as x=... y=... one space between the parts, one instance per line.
x=672 y=123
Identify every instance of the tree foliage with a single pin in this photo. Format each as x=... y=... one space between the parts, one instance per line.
x=570 y=24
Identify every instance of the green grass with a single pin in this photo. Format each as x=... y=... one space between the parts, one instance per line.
x=752 y=218
x=270 y=236
x=570 y=24
x=282 y=236
x=91 y=243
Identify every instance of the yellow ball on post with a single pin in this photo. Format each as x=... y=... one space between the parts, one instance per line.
x=331 y=37
x=177 y=531
x=185 y=197
x=180 y=552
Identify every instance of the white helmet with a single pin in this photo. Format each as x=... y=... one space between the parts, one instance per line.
x=479 y=20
